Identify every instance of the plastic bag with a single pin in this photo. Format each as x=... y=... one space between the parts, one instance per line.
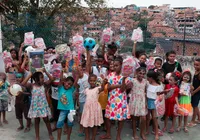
x=180 y=111
x=107 y=36
x=56 y=70
x=71 y=115
x=137 y=35
x=29 y=38
x=160 y=105
x=129 y=66
x=7 y=59
x=39 y=42
x=169 y=94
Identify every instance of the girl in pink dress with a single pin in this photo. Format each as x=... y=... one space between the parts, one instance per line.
x=92 y=112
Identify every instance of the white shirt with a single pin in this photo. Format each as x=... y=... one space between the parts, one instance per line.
x=153 y=90
x=98 y=73
x=83 y=83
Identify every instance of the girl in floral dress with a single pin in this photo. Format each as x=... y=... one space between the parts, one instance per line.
x=137 y=103
x=117 y=107
x=39 y=107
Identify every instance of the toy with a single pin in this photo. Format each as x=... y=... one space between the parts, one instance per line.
x=89 y=43
x=14 y=89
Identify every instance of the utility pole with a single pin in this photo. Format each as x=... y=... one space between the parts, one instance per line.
x=184 y=34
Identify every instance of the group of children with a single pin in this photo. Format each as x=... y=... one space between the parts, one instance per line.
x=104 y=95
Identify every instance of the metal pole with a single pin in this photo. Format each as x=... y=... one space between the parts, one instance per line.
x=184 y=34
x=1 y=48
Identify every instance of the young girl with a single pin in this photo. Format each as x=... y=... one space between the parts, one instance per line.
x=39 y=107
x=3 y=97
x=185 y=99
x=138 y=102
x=171 y=101
x=117 y=107
x=92 y=115
x=153 y=87
x=195 y=94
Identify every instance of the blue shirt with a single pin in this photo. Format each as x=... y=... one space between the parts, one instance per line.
x=67 y=96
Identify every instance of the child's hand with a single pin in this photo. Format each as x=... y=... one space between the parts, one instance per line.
x=123 y=85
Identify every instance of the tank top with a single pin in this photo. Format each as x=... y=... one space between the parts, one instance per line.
x=196 y=82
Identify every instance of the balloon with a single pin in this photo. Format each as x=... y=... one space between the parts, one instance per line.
x=14 y=89
x=89 y=43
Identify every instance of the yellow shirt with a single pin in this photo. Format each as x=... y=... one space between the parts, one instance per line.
x=103 y=97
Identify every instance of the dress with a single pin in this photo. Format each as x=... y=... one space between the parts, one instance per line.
x=117 y=107
x=170 y=102
x=39 y=106
x=92 y=113
x=185 y=100
x=137 y=103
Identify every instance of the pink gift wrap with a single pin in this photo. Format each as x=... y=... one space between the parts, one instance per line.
x=29 y=38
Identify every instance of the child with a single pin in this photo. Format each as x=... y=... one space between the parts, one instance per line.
x=3 y=97
x=137 y=101
x=196 y=93
x=117 y=107
x=39 y=107
x=153 y=87
x=171 y=101
x=185 y=98
x=92 y=115
x=22 y=105
x=65 y=104
x=171 y=65
x=158 y=63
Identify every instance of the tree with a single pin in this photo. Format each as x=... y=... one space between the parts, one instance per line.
x=39 y=16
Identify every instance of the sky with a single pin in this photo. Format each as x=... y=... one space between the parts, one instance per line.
x=174 y=3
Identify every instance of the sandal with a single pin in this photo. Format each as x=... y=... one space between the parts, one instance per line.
x=191 y=124
x=197 y=121
x=164 y=129
x=160 y=133
x=178 y=129
x=105 y=137
x=27 y=129
x=171 y=131
x=20 y=128
x=185 y=130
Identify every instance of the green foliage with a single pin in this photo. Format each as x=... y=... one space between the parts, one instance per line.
x=39 y=16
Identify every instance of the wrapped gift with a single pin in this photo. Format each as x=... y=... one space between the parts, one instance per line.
x=62 y=49
x=107 y=36
x=137 y=35
x=39 y=42
x=160 y=105
x=129 y=66
x=29 y=38
x=180 y=111
x=7 y=59
x=150 y=63
x=56 y=70
x=77 y=41
x=169 y=94
x=185 y=88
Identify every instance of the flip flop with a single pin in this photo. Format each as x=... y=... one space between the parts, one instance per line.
x=197 y=121
x=27 y=129
x=171 y=131
x=105 y=137
x=185 y=130
x=192 y=124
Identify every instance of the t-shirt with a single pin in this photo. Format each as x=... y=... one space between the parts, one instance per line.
x=97 y=72
x=65 y=98
x=54 y=91
x=83 y=84
x=4 y=91
x=152 y=91
x=168 y=68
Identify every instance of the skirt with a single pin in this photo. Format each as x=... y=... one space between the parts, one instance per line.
x=185 y=102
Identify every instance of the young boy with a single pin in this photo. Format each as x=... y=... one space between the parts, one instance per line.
x=3 y=97
x=65 y=104
x=22 y=105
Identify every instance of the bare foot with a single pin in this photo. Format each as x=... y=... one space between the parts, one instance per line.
x=147 y=133
x=51 y=137
x=5 y=121
x=156 y=137
x=143 y=137
x=136 y=137
x=105 y=137
x=20 y=128
x=118 y=138
x=27 y=129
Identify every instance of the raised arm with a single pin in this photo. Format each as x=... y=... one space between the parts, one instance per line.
x=88 y=62
x=134 y=48
x=51 y=78
x=103 y=49
x=20 y=53
x=24 y=83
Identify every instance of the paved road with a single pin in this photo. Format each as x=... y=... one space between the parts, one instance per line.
x=8 y=132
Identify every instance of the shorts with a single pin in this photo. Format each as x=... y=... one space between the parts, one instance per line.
x=151 y=103
x=3 y=105
x=21 y=109
x=61 y=120
x=81 y=106
x=195 y=100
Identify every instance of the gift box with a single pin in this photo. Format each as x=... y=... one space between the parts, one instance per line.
x=29 y=38
x=39 y=42
x=129 y=66
x=160 y=105
x=180 y=111
x=137 y=35
x=107 y=36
